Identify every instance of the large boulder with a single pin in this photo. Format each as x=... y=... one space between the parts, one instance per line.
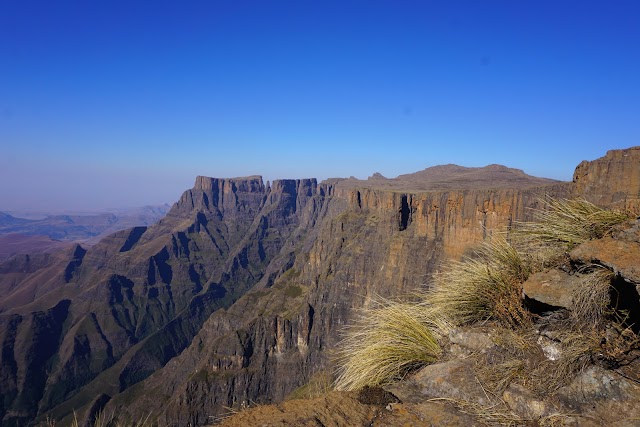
x=454 y=379
x=554 y=288
x=623 y=257
x=603 y=396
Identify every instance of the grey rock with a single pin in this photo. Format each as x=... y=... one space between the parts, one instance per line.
x=471 y=340
x=602 y=395
x=454 y=379
x=525 y=404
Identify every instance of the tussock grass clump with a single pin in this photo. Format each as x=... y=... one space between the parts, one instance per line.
x=484 y=286
x=384 y=343
x=591 y=301
x=570 y=222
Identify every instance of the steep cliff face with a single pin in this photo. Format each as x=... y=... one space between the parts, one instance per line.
x=612 y=180
x=364 y=242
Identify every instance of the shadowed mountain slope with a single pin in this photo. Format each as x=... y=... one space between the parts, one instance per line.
x=122 y=308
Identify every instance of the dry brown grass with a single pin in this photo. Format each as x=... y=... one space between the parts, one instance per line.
x=384 y=343
x=497 y=377
x=484 y=286
x=569 y=222
x=591 y=301
x=577 y=349
x=499 y=414
x=319 y=384
x=582 y=344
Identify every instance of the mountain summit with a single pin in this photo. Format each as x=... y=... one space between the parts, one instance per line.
x=454 y=177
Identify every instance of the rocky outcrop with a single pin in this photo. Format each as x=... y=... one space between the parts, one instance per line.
x=613 y=180
x=551 y=289
x=619 y=255
x=396 y=221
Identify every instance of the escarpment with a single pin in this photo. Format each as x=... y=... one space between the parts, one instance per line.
x=239 y=293
x=364 y=242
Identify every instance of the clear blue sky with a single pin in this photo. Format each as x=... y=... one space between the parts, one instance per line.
x=122 y=103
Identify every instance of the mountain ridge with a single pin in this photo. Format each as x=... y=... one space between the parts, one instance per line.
x=87 y=228
x=453 y=177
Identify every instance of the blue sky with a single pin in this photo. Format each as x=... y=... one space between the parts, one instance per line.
x=114 y=103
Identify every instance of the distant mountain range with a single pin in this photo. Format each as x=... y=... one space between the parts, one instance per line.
x=25 y=235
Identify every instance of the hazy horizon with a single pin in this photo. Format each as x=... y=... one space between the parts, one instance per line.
x=115 y=104
x=81 y=209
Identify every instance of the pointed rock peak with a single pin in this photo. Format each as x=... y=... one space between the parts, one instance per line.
x=376 y=176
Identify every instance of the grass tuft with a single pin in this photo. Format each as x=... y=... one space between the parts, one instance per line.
x=570 y=222
x=499 y=414
x=319 y=384
x=384 y=343
x=591 y=300
x=484 y=286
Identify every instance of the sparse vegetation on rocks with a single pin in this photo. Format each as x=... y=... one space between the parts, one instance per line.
x=542 y=350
